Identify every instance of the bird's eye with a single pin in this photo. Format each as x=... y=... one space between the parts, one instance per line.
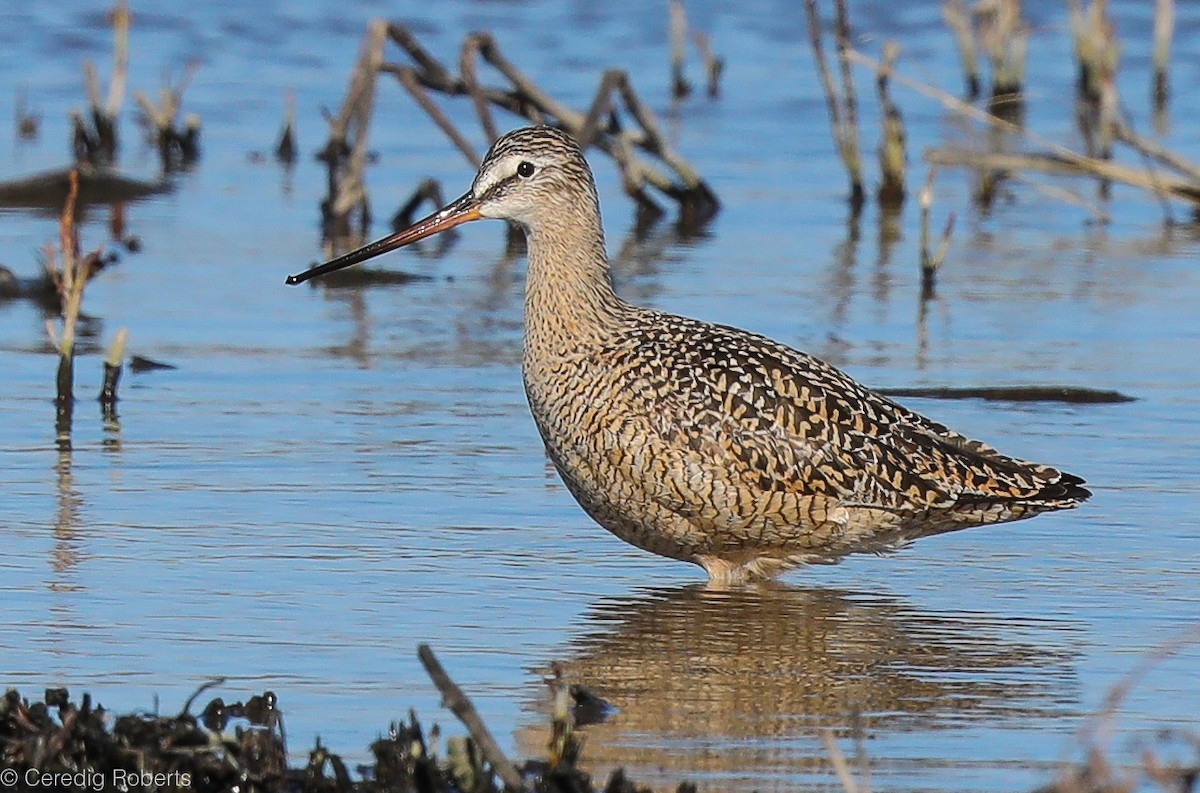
x=525 y=169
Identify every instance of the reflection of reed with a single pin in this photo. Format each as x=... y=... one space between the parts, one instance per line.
x=712 y=681
x=65 y=555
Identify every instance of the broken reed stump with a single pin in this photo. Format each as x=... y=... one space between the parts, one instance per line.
x=178 y=147
x=112 y=375
x=843 y=108
x=931 y=260
x=286 y=149
x=1097 y=54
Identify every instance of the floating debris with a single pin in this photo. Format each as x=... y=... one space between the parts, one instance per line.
x=97 y=185
x=139 y=364
x=1019 y=393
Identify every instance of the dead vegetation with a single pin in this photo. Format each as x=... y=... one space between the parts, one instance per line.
x=995 y=32
x=618 y=123
x=243 y=746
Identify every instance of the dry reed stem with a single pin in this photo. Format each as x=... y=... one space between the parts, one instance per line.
x=91 y=84
x=680 y=87
x=1098 y=213
x=1049 y=163
x=713 y=65
x=72 y=280
x=1096 y=49
x=849 y=97
x=460 y=705
x=1004 y=36
x=466 y=67
x=893 y=158
x=346 y=151
x=958 y=19
x=563 y=745
x=1156 y=151
x=122 y=19
x=408 y=78
x=845 y=130
x=1017 y=50
x=1164 y=30
x=98 y=144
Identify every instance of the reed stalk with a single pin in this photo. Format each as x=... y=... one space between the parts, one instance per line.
x=843 y=114
x=680 y=87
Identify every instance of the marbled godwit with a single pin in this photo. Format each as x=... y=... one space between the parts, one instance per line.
x=707 y=443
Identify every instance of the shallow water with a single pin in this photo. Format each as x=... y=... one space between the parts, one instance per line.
x=331 y=476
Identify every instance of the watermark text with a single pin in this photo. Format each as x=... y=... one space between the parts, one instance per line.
x=91 y=779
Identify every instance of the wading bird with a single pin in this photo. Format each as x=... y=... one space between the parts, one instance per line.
x=702 y=442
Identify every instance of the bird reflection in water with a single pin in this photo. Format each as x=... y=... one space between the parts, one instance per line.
x=736 y=683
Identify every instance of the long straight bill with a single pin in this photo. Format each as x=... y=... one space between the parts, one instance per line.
x=460 y=211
